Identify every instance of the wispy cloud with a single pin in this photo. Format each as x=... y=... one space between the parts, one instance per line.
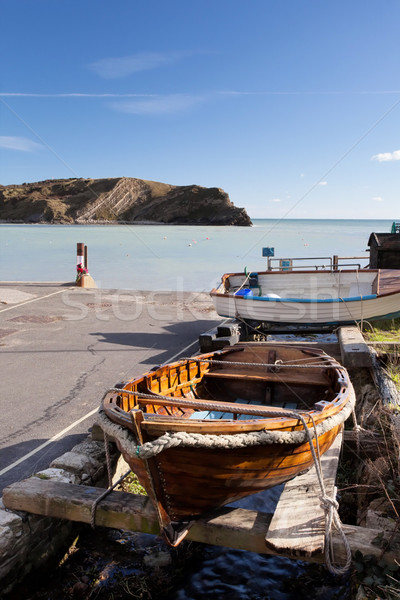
x=114 y=68
x=377 y=199
x=138 y=95
x=308 y=92
x=18 y=143
x=275 y=200
x=160 y=105
x=323 y=183
x=72 y=95
x=119 y=66
x=387 y=156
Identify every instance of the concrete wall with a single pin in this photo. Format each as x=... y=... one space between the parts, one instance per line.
x=28 y=541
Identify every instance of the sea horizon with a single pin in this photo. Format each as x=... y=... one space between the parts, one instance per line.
x=280 y=219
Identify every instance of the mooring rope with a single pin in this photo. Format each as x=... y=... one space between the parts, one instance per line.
x=111 y=486
x=276 y=364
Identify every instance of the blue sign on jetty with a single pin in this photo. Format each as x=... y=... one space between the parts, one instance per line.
x=268 y=251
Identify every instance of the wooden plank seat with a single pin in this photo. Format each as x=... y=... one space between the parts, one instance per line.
x=217 y=414
x=293 y=378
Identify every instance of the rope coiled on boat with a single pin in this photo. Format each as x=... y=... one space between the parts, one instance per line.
x=238 y=440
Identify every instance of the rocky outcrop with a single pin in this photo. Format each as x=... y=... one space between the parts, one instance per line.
x=118 y=200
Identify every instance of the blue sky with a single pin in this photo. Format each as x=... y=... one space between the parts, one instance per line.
x=292 y=107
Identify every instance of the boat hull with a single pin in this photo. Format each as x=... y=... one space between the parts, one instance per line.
x=259 y=386
x=307 y=313
x=195 y=482
x=310 y=298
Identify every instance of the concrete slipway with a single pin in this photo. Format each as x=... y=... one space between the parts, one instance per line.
x=61 y=347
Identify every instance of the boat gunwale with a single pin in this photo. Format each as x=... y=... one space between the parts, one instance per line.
x=226 y=294
x=253 y=422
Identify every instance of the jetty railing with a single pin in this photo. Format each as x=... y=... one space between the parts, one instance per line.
x=331 y=263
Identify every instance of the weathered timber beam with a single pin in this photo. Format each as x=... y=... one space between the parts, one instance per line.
x=370 y=443
x=386 y=387
x=119 y=510
x=354 y=350
x=229 y=527
x=298 y=525
x=331 y=348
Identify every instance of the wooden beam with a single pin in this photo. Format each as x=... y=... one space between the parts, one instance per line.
x=229 y=527
x=298 y=525
x=74 y=502
x=290 y=377
x=370 y=443
x=354 y=350
x=386 y=387
x=331 y=348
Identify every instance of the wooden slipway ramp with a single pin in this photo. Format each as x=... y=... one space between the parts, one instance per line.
x=295 y=530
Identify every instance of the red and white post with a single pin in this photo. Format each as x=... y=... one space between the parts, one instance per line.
x=83 y=279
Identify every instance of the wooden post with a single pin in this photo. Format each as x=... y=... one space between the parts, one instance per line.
x=80 y=254
x=354 y=350
x=84 y=280
x=335 y=262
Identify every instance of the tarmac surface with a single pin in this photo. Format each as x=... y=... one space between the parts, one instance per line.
x=62 y=347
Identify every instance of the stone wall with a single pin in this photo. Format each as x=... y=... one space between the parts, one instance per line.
x=29 y=541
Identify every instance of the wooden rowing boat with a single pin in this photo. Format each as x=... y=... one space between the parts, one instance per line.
x=309 y=297
x=247 y=392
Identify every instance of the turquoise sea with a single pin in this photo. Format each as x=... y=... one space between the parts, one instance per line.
x=170 y=257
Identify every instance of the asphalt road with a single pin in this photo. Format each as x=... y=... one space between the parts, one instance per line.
x=62 y=347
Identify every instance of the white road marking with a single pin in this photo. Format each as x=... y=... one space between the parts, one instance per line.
x=29 y=301
x=89 y=414
x=179 y=353
x=50 y=441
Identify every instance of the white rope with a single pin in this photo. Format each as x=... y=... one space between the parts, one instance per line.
x=111 y=486
x=244 y=281
x=276 y=364
x=238 y=440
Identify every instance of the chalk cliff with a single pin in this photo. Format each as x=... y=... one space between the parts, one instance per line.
x=117 y=200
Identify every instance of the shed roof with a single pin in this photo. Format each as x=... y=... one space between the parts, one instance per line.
x=384 y=240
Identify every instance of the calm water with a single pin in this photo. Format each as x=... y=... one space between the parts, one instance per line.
x=162 y=257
